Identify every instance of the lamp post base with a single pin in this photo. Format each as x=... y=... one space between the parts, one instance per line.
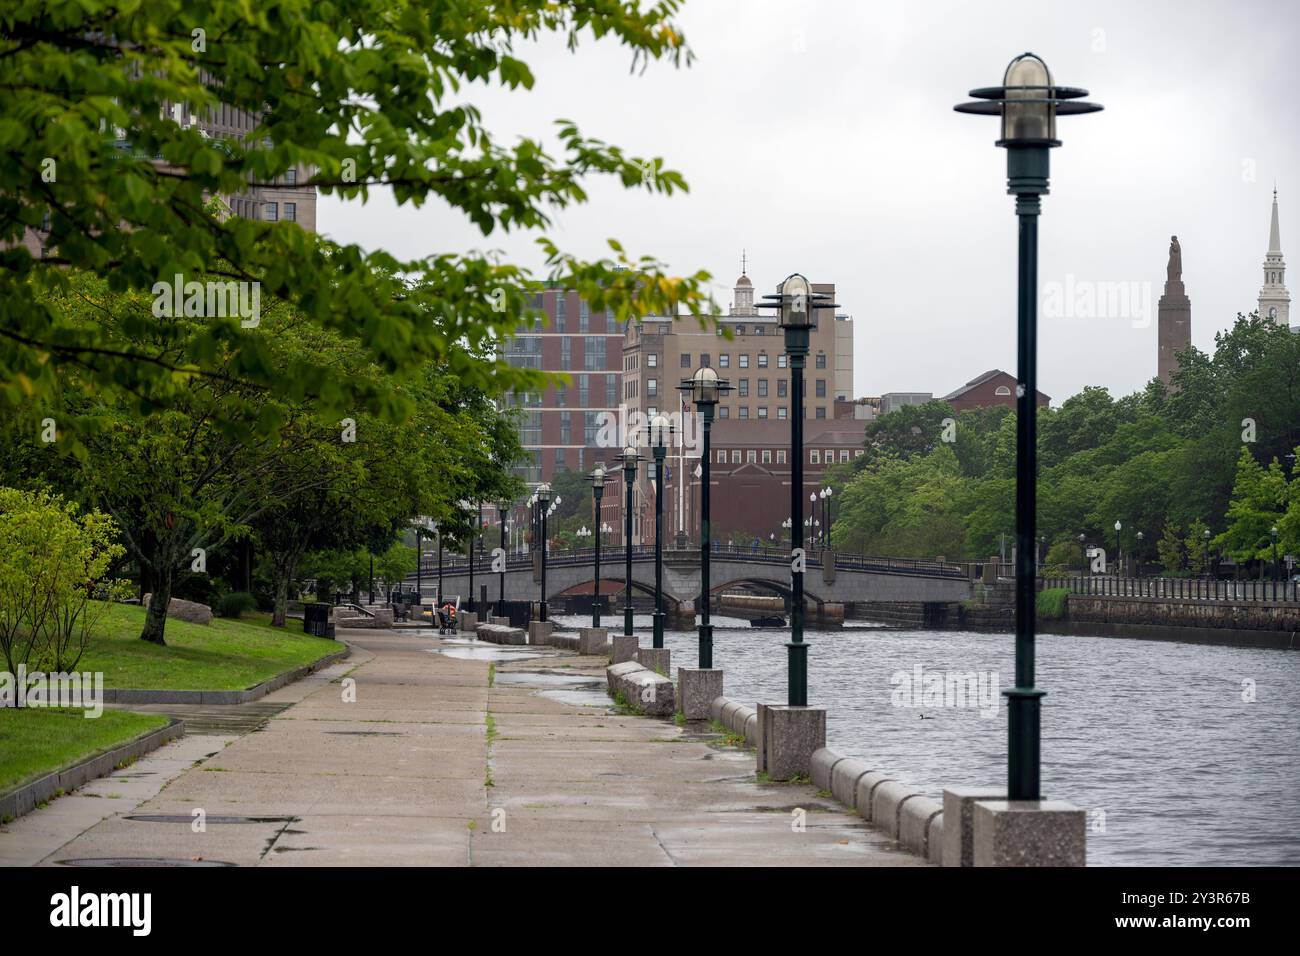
x=1024 y=707
x=658 y=618
x=697 y=689
x=798 y=673
x=627 y=620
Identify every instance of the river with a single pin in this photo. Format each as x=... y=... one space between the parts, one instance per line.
x=1161 y=742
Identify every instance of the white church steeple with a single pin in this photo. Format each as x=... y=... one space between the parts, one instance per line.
x=1274 y=300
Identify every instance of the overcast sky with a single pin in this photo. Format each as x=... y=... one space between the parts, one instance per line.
x=820 y=137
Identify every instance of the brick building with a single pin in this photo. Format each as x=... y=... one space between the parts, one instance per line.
x=994 y=387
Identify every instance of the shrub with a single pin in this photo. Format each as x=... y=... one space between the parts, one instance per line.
x=235 y=604
x=1052 y=603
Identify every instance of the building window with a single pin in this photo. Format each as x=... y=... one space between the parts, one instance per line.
x=651 y=360
x=744 y=360
x=722 y=456
x=291 y=178
x=584 y=391
x=559 y=459
x=744 y=411
x=270 y=211
x=758 y=330
x=740 y=330
x=686 y=360
x=593 y=352
x=780 y=361
x=566 y=353
x=781 y=413
x=724 y=411
x=704 y=358
x=291 y=212
x=724 y=360
x=589 y=427
x=561 y=396
x=743 y=391
x=611 y=390
x=735 y=456
x=1002 y=390
x=821 y=411
x=566 y=429
x=859 y=453
x=762 y=411
x=844 y=454
x=751 y=457
x=781 y=388
x=652 y=388
x=814 y=457
x=584 y=317
x=561 y=309
x=829 y=457
x=762 y=360
x=767 y=454
x=780 y=452
x=821 y=359
x=762 y=388
x=821 y=388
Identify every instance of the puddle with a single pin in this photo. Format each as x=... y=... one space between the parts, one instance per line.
x=211 y=818
x=546 y=679
x=140 y=861
x=580 y=698
x=484 y=651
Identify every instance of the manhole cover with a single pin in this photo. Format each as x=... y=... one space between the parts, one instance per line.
x=140 y=861
x=211 y=818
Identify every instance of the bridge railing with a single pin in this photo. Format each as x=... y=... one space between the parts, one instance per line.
x=614 y=556
x=1180 y=589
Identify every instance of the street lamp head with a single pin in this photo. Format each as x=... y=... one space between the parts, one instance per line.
x=543 y=493
x=661 y=431
x=1082 y=537
x=797 y=304
x=1028 y=101
x=1272 y=532
x=597 y=478
x=704 y=387
x=1140 y=536
x=1118 y=526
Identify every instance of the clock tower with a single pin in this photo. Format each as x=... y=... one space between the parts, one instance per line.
x=1274 y=300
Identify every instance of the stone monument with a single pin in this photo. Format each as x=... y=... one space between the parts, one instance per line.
x=1174 y=316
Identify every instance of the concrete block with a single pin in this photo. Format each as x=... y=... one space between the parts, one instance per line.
x=467 y=621
x=914 y=824
x=959 y=831
x=592 y=640
x=697 y=688
x=657 y=659
x=823 y=760
x=791 y=735
x=539 y=632
x=934 y=842
x=887 y=805
x=715 y=708
x=625 y=647
x=1029 y=833
x=645 y=691
x=845 y=777
x=751 y=728
x=617 y=672
x=740 y=717
x=729 y=707
x=866 y=789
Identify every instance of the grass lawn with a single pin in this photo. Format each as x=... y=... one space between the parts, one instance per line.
x=227 y=654
x=36 y=741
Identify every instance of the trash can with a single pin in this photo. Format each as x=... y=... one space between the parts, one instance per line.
x=316 y=619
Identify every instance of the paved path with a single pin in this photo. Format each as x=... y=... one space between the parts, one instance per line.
x=431 y=766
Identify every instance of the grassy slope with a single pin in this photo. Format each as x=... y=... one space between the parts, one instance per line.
x=37 y=741
x=223 y=655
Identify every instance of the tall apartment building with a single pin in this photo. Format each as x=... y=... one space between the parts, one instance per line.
x=559 y=426
x=288 y=199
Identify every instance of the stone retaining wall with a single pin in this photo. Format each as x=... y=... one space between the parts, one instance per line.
x=644 y=690
x=142 y=696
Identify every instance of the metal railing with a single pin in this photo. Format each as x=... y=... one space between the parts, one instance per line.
x=1178 y=589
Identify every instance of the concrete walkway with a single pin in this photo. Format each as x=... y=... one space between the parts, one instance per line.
x=431 y=766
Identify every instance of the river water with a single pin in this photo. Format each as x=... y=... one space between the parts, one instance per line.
x=1181 y=753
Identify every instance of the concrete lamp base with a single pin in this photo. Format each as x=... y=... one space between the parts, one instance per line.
x=625 y=648
x=788 y=736
x=657 y=659
x=539 y=632
x=1029 y=833
x=959 y=822
x=592 y=640
x=696 y=690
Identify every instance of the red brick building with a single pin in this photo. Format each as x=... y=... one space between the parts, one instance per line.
x=994 y=387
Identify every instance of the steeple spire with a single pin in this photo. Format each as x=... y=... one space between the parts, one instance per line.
x=1274 y=300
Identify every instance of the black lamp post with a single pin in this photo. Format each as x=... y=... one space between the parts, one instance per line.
x=1028 y=103
x=502 y=509
x=661 y=434
x=1137 y=558
x=704 y=389
x=419 y=562
x=597 y=479
x=1272 y=533
x=543 y=503
x=797 y=317
x=1083 y=552
x=470 y=552
x=630 y=459
x=1118 y=549
x=438 y=529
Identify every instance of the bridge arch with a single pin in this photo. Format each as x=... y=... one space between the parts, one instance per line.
x=781 y=588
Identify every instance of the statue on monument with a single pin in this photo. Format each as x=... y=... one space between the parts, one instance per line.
x=1175 y=260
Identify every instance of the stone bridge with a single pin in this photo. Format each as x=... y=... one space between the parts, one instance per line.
x=829 y=578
